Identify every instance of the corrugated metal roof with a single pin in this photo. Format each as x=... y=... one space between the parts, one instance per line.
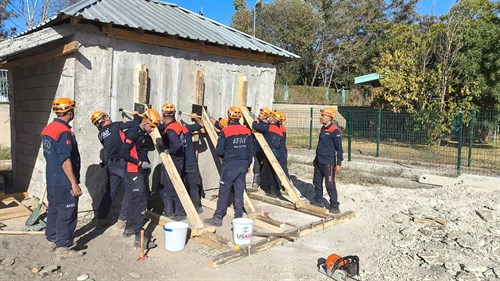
x=166 y=18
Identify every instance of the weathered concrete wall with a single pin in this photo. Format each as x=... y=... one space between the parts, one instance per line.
x=4 y=126
x=105 y=75
x=34 y=88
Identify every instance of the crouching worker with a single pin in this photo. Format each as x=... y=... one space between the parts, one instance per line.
x=135 y=152
x=235 y=146
x=60 y=150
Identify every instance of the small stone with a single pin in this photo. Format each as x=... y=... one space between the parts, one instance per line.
x=404 y=243
x=408 y=230
x=489 y=273
x=496 y=270
x=399 y=218
x=37 y=269
x=465 y=276
x=470 y=243
x=426 y=231
x=453 y=266
x=455 y=235
x=135 y=275
x=82 y=277
x=8 y=261
x=485 y=215
x=475 y=266
x=49 y=270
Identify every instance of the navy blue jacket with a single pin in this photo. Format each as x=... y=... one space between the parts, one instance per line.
x=329 y=150
x=134 y=148
x=59 y=144
x=273 y=135
x=284 y=150
x=235 y=145
x=173 y=138
x=111 y=136
x=189 y=153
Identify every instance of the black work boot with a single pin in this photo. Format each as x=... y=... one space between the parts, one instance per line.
x=214 y=221
x=148 y=244
x=254 y=188
x=317 y=204
x=334 y=210
x=128 y=232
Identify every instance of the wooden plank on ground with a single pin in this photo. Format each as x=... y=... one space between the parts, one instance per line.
x=213 y=241
x=234 y=255
x=162 y=220
x=309 y=209
x=270 y=156
x=11 y=208
x=257 y=222
x=18 y=196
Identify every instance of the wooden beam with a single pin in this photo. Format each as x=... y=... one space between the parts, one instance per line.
x=304 y=208
x=270 y=156
x=265 y=224
x=142 y=84
x=18 y=196
x=234 y=255
x=57 y=52
x=199 y=97
x=17 y=232
x=213 y=241
x=11 y=208
x=242 y=91
x=75 y=20
x=192 y=215
x=189 y=45
x=33 y=40
x=161 y=220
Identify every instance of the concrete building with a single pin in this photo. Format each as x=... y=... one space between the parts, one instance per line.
x=93 y=52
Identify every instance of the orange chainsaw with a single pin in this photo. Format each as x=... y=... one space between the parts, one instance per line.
x=339 y=268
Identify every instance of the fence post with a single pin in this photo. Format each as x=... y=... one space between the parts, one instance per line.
x=286 y=93
x=471 y=137
x=459 y=154
x=379 y=123
x=310 y=127
x=349 y=135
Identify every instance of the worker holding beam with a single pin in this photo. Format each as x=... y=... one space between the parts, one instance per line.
x=235 y=146
x=258 y=164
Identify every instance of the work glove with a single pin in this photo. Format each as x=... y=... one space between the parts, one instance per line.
x=146 y=165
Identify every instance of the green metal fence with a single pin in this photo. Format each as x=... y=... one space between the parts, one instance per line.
x=375 y=135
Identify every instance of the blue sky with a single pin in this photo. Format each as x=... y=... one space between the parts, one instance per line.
x=222 y=10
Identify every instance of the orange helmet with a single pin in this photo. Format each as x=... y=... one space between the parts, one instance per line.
x=168 y=109
x=63 y=105
x=328 y=111
x=233 y=113
x=280 y=117
x=97 y=116
x=223 y=123
x=265 y=111
x=152 y=117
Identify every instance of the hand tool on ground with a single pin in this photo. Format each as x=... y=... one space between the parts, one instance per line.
x=341 y=268
x=142 y=257
x=33 y=218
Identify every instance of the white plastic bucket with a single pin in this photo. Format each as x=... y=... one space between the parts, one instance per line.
x=242 y=231
x=175 y=236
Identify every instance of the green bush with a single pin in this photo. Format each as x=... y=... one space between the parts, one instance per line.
x=5 y=153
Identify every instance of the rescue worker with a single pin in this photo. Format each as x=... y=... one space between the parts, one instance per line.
x=135 y=152
x=173 y=139
x=235 y=146
x=280 y=119
x=274 y=137
x=259 y=153
x=60 y=150
x=191 y=171
x=111 y=136
x=219 y=124
x=328 y=160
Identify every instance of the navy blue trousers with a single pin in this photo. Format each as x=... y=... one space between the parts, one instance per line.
x=169 y=196
x=257 y=166
x=116 y=176
x=325 y=172
x=61 y=215
x=232 y=177
x=193 y=180
x=136 y=186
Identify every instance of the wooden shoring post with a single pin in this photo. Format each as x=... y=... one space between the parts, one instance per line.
x=193 y=217
x=199 y=97
x=269 y=224
x=234 y=255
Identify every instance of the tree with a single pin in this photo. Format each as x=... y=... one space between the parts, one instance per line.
x=5 y=15
x=34 y=12
x=242 y=18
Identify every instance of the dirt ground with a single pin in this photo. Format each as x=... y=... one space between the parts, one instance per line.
x=389 y=243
